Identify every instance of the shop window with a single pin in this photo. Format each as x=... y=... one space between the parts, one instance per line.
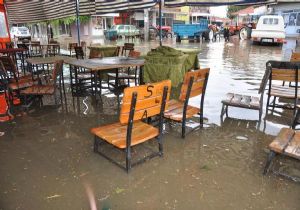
x=298 y=20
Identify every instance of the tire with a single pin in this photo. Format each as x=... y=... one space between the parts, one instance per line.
x=169 y=36
x=243 y=34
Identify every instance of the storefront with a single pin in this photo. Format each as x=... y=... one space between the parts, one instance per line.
x=4 y=31
x=291 y=16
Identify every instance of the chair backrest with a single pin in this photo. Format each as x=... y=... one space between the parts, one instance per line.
x=117 y=51
x=144 y=101
x=57 y=71
x=134 y=54
x=79 y=52
x=289 y=74
x=295 y=57
x=127 y=48
x=23 y=46
x=9 y=45
x=196 y=80
x=72 y=46
x=3 y=78
x=9 y=66
x=95 y=54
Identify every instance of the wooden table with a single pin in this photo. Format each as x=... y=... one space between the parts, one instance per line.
x=105 y=64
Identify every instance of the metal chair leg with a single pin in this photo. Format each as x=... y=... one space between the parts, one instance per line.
x=96 y=144
x=128 y=159
x=269 y=161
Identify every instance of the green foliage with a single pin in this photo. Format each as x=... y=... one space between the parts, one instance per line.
x=233 y=9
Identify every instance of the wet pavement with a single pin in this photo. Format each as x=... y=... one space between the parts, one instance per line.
x=47 y=159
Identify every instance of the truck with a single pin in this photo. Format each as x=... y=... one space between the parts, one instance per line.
x=190 y=31
x=269 y=29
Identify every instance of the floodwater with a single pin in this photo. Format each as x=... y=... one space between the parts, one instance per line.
x=47 y=159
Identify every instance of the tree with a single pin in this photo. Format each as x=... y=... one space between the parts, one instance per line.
x=233 y=9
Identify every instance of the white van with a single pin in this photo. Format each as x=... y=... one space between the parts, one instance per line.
x=270 y=28
x=20 y=32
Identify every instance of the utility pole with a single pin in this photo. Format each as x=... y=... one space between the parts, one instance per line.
x=78 y=22
x=146 y=24
x=160 y=23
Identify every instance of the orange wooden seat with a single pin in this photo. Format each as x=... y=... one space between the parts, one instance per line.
x=286 y=143
x=139 y=103
x=194 y=84
x=295 y=57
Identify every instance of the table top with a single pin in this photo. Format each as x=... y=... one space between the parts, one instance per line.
x=48 y=60
x=12 y=50
x=106 y=63
x=102 y=46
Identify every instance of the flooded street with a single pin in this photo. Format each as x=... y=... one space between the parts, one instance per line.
x=47 y=159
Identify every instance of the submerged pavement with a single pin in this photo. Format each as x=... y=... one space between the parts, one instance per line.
x=47 y=159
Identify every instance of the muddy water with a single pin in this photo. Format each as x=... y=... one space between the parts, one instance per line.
x=47 y=161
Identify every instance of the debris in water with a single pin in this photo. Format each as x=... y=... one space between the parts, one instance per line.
x=242 y=138
x=53 y=196
x=119 y=190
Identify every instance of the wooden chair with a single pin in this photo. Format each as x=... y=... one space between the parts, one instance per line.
x=79 y=52
x=138 y=103
x=295 y=57
x=125 y=76
x=47 y=89
x=283 y=72
x=194 y=84
x=246 y=101
x=53 y=50
x=286 y=143
x=127 y=48
x=17 y=81
x=72 y=48
x=84 y=76
x=9 y=45
x=95 y=54
x=117 y=51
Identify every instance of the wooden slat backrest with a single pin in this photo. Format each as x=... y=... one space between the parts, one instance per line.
x=9 y=64
x=134 y=54
x=198 y=84
x=295 y=57
x=288 y=75
x=149 y=100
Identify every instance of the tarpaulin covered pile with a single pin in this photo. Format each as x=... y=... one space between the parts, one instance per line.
x=168 y=63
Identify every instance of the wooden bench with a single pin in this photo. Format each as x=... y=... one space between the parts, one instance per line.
x=194 y=84
x=139 y=103
x=286 y=143
x=246 y=101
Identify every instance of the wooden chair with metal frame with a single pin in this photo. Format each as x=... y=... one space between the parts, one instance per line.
x=194 y=84
x=49 y=88
x=125 y=76
x=283 y=72
x=17 y=81
x=139 y=103
x=127 y=48
x=286 y=143
x=53 y=50
x=246 y=101
x=36 y=49
x=84 y=77
x=71 y=48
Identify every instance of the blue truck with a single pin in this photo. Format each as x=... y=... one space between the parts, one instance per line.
x=190 y=31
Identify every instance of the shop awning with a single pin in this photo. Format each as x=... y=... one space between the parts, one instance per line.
x=179 y=3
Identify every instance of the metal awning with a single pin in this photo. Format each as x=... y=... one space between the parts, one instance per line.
x=179 y=3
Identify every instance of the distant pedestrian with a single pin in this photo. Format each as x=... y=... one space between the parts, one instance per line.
x=226 y=33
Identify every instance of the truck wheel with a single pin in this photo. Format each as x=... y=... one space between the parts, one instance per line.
x=243 y=33
x=169 y=35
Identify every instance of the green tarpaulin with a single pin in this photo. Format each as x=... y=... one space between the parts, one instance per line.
x=168 y=63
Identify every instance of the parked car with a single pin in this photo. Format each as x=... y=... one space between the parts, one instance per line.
x=125 y=30
x=270 y=29
x=20 y=32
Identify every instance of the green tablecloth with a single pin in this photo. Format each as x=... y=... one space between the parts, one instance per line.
x=106 y=50
x=168 y=63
